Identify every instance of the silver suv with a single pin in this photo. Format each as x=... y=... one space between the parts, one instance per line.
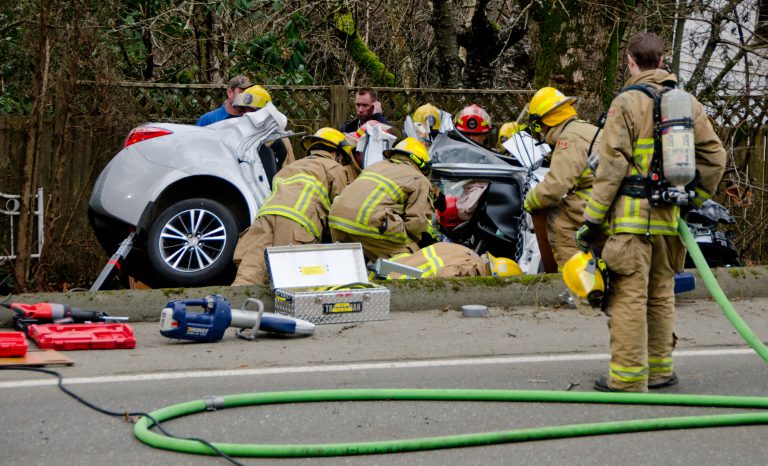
x=187 y=192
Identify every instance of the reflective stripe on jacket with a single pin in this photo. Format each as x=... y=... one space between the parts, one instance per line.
x=304 y=191
x=569 y=180
x=627 y=149
x=389 y=200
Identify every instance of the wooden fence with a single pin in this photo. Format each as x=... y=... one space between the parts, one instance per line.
x=91 y=141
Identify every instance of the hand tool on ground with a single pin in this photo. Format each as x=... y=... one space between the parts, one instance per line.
x=54 y=313
x=179 y=322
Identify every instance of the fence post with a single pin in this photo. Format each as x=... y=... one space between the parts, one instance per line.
x=339 y=103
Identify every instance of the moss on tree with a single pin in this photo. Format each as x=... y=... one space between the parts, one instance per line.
x=367 y=60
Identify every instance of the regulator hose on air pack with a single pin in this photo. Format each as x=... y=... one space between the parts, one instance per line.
x=144 y=433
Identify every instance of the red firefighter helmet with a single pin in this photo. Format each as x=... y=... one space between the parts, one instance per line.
x=449 y=217
x=473 y=120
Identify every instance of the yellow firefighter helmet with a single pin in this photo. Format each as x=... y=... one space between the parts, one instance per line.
x=328 y=137
x=414 y=149
x=508 y=130
x=586 y=276
x=255 y=98
x=428 y=116
x=549 y=106
x=502 y=266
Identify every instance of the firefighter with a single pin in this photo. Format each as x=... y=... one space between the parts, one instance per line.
x=255 y=98
x=454 y=260
x=474 y=123
x=643 y=250
x=426 y=122
x=388 y=207
x=506 y=131
x=566 y=187
x=296 y=212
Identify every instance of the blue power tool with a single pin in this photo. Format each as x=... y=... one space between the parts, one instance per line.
x=178 y=322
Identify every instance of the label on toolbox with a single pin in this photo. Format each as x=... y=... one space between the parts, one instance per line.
x=314 y=265
x=335 y=308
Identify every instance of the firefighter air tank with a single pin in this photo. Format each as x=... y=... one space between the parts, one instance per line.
x=677 y=139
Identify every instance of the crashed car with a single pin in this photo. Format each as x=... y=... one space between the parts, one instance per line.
x=187 y=192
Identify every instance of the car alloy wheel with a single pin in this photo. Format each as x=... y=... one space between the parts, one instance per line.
x=192 y=240
x=191 y=243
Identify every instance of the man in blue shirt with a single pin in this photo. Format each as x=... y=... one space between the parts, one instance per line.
x=236 y=85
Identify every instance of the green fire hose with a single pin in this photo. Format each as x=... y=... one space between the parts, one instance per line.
x=717 y=292
x=144 y=433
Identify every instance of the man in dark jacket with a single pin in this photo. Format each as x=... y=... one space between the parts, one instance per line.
x=367 y=107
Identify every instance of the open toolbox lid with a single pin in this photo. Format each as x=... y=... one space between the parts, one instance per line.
x=316 y=265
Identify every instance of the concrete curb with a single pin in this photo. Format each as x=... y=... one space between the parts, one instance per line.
x=406 y=295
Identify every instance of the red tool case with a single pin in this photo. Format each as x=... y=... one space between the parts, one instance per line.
x=13 y=344
x=68 y=337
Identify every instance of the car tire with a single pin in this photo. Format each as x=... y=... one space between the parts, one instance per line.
x=191 y=243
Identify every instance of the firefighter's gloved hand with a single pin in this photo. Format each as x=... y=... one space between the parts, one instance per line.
x=527 y=206
x=587 y=234
x=426 y=240
x=685 y=209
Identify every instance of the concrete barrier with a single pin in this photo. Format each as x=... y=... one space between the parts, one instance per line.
x=406 y=295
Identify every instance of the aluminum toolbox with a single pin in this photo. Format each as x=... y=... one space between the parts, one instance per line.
x=325 y=284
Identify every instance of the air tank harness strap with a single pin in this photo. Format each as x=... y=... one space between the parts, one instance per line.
x=635 y=186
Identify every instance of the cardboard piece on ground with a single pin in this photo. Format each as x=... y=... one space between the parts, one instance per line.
x=38 y=358
x=136 y=284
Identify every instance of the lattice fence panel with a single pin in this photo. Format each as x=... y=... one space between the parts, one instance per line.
x=502 y=105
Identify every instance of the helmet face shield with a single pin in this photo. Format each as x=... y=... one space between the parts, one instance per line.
x=587 y=277
x=253 y=98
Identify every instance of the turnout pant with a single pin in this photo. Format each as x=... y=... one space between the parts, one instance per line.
x=266 y=231
x=642 y=307
x=561 y=233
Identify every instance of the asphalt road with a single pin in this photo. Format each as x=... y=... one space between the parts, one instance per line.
x=514 y=348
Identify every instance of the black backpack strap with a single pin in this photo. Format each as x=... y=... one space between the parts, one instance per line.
x=600 y=125
x=651 y=91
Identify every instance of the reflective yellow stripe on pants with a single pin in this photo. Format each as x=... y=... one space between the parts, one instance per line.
x=628 y=374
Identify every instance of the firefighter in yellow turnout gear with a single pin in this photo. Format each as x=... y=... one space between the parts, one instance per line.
x=388 y=207
x=643 y=250
x=568 y=184
x=454 y=260
x=297 y=210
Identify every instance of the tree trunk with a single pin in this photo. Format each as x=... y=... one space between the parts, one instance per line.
x=483 y=44
x=677 y=43
x=146 y=39
x=201 y=20
x=576 y=49
x=216 y=49
x=345 y=28
x=446 y=44
x=39 y=87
